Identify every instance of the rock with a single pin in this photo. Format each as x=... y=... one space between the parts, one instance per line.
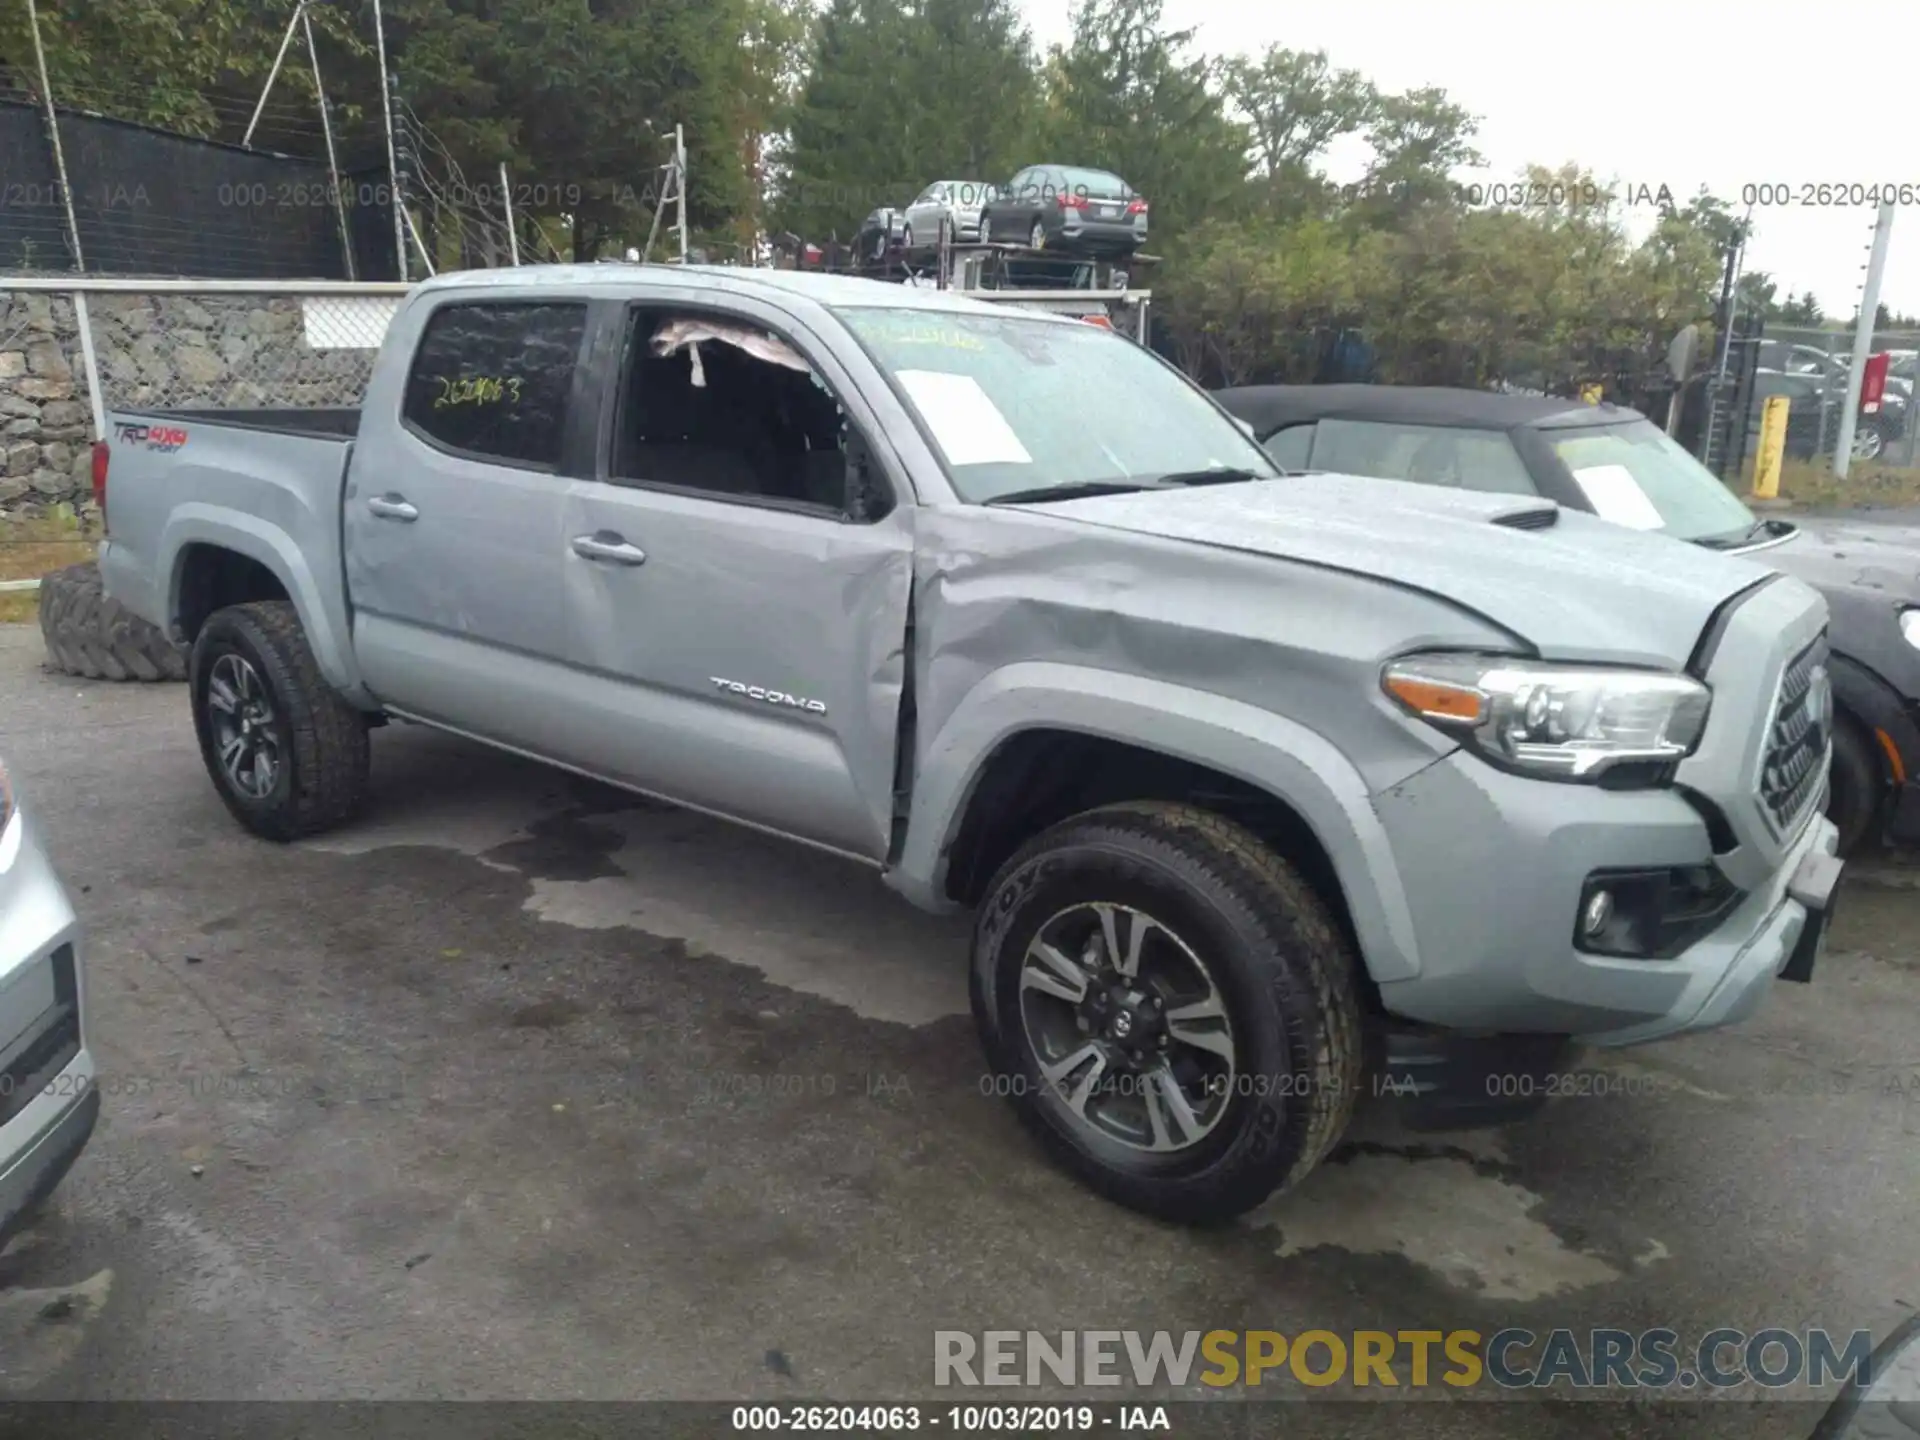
x=17 y=405
x=23 y=426
x=82 y=471
x=44 y=387
x=121 y=369
x=193 y=313
x=51 y=482
x=11 y=489
x=198 y=366
x=12 y=363
x=137 y=320
x=22 y=457
x=39 y=314
x=234 y=349
x=188 y=339
x=45 y=357
x=57 y=456
x=63 y=413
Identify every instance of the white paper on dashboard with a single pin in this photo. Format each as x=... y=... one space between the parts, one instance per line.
x=1617 y=496
x=964 y=419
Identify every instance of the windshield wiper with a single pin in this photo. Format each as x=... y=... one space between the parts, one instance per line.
x=1076 y=490
x=1217 y=475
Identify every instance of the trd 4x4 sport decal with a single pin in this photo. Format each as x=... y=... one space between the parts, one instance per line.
x=154 y=437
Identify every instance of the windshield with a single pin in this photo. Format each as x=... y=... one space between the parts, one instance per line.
x=1634 y=474
x=1017 y=402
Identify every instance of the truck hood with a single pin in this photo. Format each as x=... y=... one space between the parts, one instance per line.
x=1580 y=588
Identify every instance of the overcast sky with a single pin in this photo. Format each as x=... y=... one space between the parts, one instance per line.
x=1684 y=92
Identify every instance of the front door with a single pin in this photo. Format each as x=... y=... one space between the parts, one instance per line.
x=748 y=632
x=455 y=547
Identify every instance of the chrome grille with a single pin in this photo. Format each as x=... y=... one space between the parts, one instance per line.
x=1800 y=739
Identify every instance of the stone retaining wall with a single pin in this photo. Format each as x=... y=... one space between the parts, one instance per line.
x=154 y=351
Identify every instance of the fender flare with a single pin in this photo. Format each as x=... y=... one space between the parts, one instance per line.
x=270 y=546
x=1276 y=755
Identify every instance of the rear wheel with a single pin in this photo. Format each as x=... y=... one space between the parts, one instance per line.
x=1853 y=792
x=1869 y=440
x=288 y=755
x=1037 y=237
x=1170 y=1009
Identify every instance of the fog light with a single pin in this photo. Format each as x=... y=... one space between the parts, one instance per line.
x=1598 y=912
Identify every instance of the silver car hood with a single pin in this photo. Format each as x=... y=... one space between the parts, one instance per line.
x=1579 y=589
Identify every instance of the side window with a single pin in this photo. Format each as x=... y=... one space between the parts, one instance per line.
x=1424 y=454
x=1288 y=448
x=726 y=408
x=1017 y=187
x=492 y=380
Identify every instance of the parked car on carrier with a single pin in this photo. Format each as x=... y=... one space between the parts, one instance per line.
x=48 y=1102
x=1614 y=462
x=1067 y=208
x=1248 y=780
x=954 y=204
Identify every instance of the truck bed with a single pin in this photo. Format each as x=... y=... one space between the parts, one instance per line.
x=263 y=483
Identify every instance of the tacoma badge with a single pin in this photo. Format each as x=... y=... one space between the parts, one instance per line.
x=772 y=697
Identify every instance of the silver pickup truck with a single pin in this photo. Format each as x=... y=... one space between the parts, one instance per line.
x=1262 y=788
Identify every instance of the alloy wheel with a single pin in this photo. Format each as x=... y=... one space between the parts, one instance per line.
x=1127 y=1028
x=245 y=729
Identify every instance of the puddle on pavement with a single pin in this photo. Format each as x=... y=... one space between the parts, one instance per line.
x=1446 y=1208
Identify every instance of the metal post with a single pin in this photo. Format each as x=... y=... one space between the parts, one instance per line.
x=53 y=133
x=680 y=183
x=506 y=199
x=299 y=13
x=414 y=231
x=98 y=402
x=333 y=160
x=393 y=157
x=1862 y=340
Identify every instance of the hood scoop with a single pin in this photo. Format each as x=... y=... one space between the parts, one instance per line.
x=1531 y=517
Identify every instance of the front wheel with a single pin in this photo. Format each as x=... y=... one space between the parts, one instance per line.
x=288 y=755
x=1170 y=1009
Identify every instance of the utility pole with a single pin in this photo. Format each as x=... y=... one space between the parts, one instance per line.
x=1863 y=340
x=680 y=183
x=393 y=159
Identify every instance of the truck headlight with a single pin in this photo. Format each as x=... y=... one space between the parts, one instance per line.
x=1910 y=627
x=1559 y=722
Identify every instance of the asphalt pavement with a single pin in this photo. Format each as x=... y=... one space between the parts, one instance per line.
x=520 y=1087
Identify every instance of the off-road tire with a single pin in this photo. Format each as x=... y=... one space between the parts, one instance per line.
x=1854 y=785
x=96 y=638
x=1287 y=973
x=324 y=780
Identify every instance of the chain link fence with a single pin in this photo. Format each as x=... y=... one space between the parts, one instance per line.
x=1810 y=368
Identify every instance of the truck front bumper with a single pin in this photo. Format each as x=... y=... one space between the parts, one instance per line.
x=1495 y=866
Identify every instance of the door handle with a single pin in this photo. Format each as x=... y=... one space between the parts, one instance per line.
x=609 y=548
x=392 y=507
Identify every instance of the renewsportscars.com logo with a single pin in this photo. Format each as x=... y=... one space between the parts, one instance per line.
x=1511 y=1359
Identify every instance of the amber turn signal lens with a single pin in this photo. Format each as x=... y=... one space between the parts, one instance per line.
x=1437 y=701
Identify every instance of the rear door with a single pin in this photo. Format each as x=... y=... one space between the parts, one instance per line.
x=454 y=519
x=738 y=635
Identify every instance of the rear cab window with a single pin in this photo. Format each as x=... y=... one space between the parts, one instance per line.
x=491 y=379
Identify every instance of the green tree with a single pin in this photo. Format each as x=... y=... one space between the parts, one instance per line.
x=1127 y=95
x=1295 y=104
x=1419 y=140
x=901 y=93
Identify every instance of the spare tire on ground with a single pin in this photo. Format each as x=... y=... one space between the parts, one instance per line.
x=89 y=635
